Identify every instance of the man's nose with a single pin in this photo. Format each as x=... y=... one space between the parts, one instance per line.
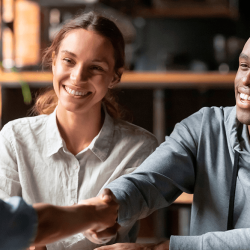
x=246 y=78
x=79 y=75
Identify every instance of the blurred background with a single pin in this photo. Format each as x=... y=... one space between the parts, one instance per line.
x=181 y=55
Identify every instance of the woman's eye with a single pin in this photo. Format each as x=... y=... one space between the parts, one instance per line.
x=68 y=61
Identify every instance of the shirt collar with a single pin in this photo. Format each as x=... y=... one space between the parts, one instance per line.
x=238 y=135
x=53 y=137
x=100 y=145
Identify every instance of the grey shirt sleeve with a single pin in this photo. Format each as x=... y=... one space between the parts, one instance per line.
x=161 y=178
x=229 y=240
x=18 y=224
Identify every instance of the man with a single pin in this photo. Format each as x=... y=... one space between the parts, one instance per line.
x=207 y=154
x=22 y=224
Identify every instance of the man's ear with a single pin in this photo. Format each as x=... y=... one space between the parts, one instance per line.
x=117 y=77
x=53 y=60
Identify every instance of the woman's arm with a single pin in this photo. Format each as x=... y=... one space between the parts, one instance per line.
x=56 y=222
x=20 y=222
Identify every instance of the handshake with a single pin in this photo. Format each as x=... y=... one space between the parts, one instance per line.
x=104 y=213
x=95 y=218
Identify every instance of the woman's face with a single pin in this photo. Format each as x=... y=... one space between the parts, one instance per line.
x=83 y=70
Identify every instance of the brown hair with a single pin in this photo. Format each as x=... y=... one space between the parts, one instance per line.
x=47 y=101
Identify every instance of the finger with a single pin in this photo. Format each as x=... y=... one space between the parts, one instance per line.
x=108 y=233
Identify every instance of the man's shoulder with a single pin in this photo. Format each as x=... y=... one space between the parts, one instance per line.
x=207 y=114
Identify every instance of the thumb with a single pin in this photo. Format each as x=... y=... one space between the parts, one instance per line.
x=107 y=195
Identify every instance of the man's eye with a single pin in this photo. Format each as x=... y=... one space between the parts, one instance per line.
x=97 y=68
x=243 y=65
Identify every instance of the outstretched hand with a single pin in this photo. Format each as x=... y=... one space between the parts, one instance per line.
x=104 y=212
x=103 y=235
x=136 y=246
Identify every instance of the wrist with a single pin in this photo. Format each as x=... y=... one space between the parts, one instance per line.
x=162 y=245
x=85 y=215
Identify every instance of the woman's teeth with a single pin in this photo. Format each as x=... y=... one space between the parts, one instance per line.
x=74 y=92
x=244 y=97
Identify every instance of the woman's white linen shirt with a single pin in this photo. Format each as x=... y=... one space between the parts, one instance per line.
x=36 y=165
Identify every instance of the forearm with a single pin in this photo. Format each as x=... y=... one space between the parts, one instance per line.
x=231 y=240
x=55 y=223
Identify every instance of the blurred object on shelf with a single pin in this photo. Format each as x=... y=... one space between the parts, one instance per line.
x=226 y=52
x=8 y=49
x=7 y=59
x=8 y=11
x=198 y=66
x=55 y=23
x=27 y=33
x=223 y=68
x=220 y=48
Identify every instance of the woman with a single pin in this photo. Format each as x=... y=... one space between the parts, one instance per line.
x=79 y=143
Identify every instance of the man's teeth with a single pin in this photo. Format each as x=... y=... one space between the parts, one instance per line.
x=74 y=92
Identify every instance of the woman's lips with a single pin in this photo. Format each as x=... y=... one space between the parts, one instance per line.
x=76 y=93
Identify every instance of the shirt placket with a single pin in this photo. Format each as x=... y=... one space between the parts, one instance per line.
x=74 y=171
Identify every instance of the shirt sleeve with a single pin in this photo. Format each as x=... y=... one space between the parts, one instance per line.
x=161 y=178
x=18 y=223
x=9 y=177
x=229 y=240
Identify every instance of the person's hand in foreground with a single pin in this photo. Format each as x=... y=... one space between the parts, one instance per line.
x=136 y=246
x=56 y=222
x=103 y=236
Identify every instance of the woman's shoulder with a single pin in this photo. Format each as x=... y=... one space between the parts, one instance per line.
x=24 y=125
x=129 y=130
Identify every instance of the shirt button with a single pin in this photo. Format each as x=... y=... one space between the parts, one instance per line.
x=76 y=167
x=72 y=203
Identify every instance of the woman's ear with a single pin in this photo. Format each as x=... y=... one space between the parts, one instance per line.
x=117 y=77
x=53 y=60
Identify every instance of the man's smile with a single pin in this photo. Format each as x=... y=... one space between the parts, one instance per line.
x=244 y=97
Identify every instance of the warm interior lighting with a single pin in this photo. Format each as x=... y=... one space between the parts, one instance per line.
x=0 y=105
x=8 y=10
x=27 y=33
x=8 y=44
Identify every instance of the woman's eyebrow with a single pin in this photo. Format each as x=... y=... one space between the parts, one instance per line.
x=71 y=53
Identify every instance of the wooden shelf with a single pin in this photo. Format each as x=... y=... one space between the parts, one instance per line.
x=136 y=79
x=198 y=11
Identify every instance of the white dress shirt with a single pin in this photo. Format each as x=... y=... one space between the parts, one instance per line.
x=36 y=165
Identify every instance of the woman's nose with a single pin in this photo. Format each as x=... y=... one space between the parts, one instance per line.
x=79 y=75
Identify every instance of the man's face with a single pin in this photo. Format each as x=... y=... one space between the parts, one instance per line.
x=242 y=86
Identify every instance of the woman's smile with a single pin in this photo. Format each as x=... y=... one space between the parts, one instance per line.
x=76 y=93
